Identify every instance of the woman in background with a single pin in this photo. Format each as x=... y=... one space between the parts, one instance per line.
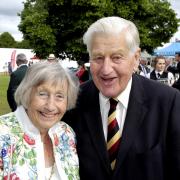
x=159 y=73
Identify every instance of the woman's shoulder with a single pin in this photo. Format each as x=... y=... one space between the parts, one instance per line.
x=9 y=123
x=7 y=119
x=62 y=134
x=61 y=127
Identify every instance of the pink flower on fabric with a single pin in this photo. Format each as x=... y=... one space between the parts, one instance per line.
x=72 y=144
x=29 y=140
x=11 y=148
x=56 y=140
x=1 y=164
x=12 y=177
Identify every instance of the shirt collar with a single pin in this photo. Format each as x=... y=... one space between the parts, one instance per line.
x=160 y=72
x=22 y=65
x=123 y=97
x=25 y=122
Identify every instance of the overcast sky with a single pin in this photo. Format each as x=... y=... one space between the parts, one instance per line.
x=9 y=19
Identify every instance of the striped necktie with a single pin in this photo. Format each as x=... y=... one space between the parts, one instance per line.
x=113 y=135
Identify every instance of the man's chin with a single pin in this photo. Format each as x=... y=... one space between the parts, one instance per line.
x=109 y=93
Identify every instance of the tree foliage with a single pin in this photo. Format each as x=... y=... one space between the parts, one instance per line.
x=57 y=26
x=6 y=40
x=24 y=44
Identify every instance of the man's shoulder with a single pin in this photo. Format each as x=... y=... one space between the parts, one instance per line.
x=24 y=66
x=21 y=69
x=87 y=85
x=88 y=88
x=88 y=93
x=152 y=87
x=16 y=72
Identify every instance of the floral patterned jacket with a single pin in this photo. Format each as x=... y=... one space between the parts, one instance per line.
x=21 y=149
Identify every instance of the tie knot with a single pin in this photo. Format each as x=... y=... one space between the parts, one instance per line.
x=113 y=103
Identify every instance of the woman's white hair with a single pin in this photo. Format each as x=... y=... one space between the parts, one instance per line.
x=113 y=25
x=42 y=72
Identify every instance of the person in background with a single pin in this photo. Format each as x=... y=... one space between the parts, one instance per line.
x=30 y=63
x=127 y=126
x=177 y=58
x=170 y=66
x=51 y=58
x=159 y=73
x=34 y=143
x=143 y=70
x=9 y=68
x=82 y=73
x=16 y=78
x=177 y=71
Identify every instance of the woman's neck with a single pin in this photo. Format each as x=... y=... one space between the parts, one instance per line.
x=48 y=150
x=45 y=137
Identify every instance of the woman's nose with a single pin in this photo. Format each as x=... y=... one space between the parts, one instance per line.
x=50 y=105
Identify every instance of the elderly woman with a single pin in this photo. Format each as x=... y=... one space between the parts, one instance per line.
x=34 y=143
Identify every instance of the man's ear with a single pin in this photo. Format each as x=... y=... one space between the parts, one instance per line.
x=137 y=56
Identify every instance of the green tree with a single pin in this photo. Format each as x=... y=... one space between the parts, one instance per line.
x=155 y=19
x=24 y=44
x=6 y=40
x=57 y=26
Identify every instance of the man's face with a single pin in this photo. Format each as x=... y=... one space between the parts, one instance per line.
x=111 y=63
x=143 y=62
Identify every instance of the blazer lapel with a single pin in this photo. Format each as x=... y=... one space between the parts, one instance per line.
x=135 y=115
x=95 y=127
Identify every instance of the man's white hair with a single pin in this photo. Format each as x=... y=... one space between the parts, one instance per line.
x=113 y=25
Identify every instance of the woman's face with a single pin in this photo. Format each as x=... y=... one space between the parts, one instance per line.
x=48 y=103
x=160 y=66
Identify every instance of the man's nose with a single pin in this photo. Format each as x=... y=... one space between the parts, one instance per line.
x=106 y=66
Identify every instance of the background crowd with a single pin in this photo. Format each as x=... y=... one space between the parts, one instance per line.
x=162 y=69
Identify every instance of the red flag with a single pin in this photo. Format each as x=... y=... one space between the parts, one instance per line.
x=13 y=59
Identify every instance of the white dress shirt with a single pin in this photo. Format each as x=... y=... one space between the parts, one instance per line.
x=170 y=77
x=121 y=108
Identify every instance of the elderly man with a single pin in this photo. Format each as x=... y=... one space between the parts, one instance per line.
x=16 y=78
x=127 y=126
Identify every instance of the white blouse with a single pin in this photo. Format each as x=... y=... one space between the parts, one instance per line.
x=55 y=175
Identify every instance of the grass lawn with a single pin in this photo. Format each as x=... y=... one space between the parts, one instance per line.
x=4 y=107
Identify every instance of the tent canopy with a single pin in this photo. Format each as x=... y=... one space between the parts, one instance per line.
x=169 y=50
x=145 y=55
